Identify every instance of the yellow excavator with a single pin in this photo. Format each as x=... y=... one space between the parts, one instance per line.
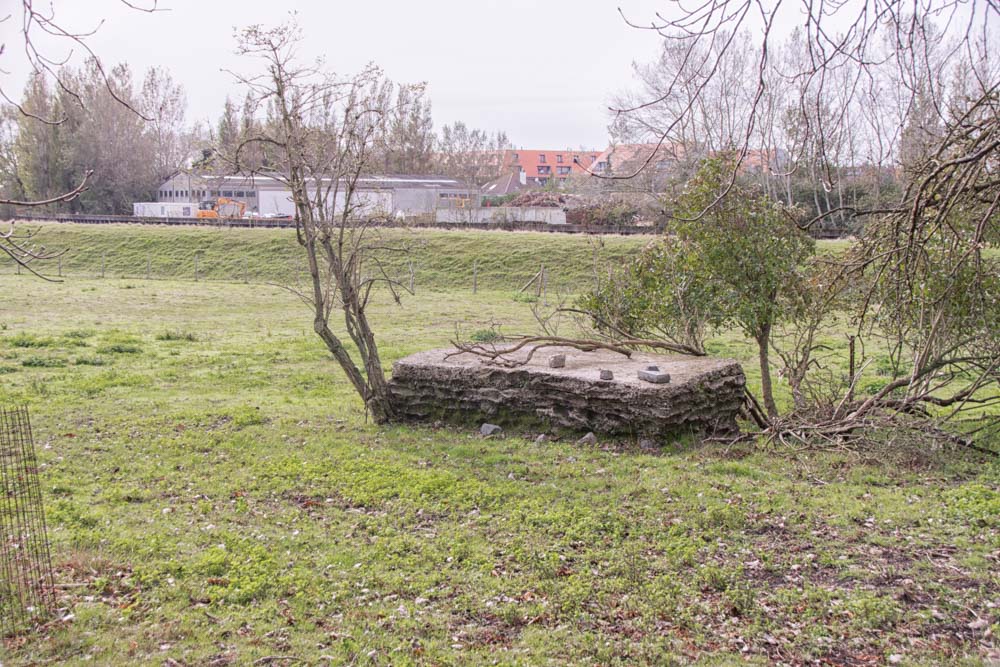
x=222 y=207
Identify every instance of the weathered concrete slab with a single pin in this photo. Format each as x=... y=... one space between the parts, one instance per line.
x=703 y=396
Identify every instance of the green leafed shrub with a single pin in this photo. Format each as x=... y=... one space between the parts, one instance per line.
x=29 y=341
x=120 y=348
x=177 y=336
x=43 y=362
x=486 y=336
x=90 y=361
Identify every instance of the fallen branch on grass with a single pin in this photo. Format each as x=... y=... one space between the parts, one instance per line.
x=499 y=353
x=630 y=341
x=856 y=432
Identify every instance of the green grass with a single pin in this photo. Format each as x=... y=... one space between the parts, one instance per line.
x=441 y=259
x=215 y=495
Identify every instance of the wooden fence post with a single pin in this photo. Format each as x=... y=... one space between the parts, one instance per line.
x=196 y=266
x=850 y=391
x=412 y=279
x=545 y=285
x=102 y=264
x=148 y=262
x=528 y=284
x=475 y=276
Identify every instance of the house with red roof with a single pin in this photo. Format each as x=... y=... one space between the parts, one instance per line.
x=538 y=168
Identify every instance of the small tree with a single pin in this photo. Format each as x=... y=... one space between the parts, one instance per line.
x=657 y=297
x=810 y=303
x=729 y=266
x=323 y=135
x=748 y=249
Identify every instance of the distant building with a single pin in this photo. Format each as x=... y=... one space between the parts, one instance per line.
x=541 y=167
x=509 y=184
x=625 y=159
x=266 y=195
x=650 y=166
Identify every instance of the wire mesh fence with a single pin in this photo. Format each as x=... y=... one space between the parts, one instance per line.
x=26 y=587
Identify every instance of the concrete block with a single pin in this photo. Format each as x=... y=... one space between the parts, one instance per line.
x=654 y=376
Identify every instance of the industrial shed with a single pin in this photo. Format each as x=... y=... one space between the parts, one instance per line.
x=393 y=195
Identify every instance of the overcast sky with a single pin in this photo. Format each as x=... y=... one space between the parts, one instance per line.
x=542 y=71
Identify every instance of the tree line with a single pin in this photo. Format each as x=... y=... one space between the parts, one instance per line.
x=77 y=128
x=64 y=132
x=818 y=130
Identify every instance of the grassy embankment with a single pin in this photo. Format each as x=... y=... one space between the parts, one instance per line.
x=215 y=496
x=441 y=260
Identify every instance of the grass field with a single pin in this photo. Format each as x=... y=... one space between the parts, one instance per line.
x=441 y=259
x=215 y=495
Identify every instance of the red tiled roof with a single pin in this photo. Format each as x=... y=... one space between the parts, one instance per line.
x=531 y=160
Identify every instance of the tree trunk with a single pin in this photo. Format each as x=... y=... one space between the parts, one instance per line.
x=378 y=401
x=795 y=381
x=763 y=341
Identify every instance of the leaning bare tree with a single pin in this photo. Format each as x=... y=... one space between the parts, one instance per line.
x=323 y=134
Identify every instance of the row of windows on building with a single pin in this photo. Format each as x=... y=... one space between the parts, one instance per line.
x=546 y=170
x=559 y=158
x=184 y=194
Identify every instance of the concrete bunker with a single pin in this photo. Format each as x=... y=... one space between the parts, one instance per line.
x=597 y=391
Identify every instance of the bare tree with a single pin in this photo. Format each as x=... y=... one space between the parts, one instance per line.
x=470 y=154
x=163 y=101
x=324 y=137
x=852 y=70
x=708 y=102
x=408 y=142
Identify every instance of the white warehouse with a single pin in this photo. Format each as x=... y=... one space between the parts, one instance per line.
x=397 y=196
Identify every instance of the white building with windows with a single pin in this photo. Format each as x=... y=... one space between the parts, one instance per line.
x=393 y=195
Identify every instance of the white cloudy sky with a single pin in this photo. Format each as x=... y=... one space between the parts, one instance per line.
x=543 y=71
